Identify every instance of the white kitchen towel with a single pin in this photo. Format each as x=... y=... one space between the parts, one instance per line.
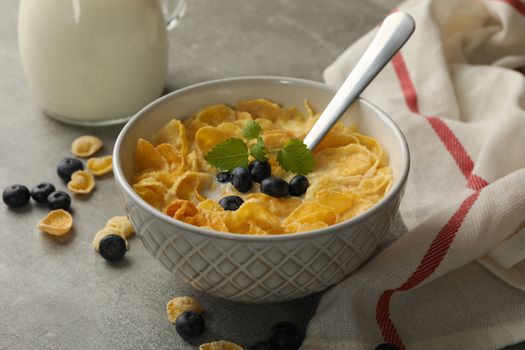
x=457 y=90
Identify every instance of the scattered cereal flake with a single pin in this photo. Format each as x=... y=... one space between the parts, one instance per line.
x=104 y=232
x=178 y=305
x=85 y=146
x=81 y=182
x=100 y=165
x=122 y=225
x=220 y=345
x=57 y=223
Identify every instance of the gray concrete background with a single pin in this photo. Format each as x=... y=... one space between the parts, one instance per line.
x=58 y=293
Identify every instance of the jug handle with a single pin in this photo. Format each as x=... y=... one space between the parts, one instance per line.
x=174 y=10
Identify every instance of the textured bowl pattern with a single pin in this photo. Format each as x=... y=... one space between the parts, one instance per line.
x=261 y=272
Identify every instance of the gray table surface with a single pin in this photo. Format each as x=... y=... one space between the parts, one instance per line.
x=58 y=293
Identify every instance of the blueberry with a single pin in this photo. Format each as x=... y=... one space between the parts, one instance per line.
x=58 y=200
x=112 y=247
x=224 y=176
x=16 y=196
x=259 y=170
x=275 y=187
x=67 y=167
x=189 y=324
x=40 y=192
x=386 y=346
x=231 y=202
x=260 y=345
x=241 y=179
x=285 y=336
x=298 y=185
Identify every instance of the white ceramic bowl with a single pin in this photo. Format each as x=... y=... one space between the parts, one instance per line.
x=249 y=268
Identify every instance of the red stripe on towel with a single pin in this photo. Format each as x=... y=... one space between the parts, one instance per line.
x=446 y=135
x=430 y=262
x=454 y=147
x=443 y=240
x=517 y=4
x=409 y=92
x=476 y=183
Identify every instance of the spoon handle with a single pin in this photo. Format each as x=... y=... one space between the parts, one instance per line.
x=391 y=36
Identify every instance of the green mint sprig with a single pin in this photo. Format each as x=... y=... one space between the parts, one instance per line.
x=259 y=151
x=294 y=157
x=228 y=154
x=252 y=130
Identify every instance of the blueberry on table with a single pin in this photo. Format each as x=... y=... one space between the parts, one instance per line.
x=231 y=202
x=298 y=185
x=260 y=345
x=241 y=179
x=285 y=336
x=112 y=247
x=275 y=187
x=67 y=167
x=259 y=170
x=189 y=324
x=16 y=196
x=58 y=200
x=224 y=176
x=40 y=192
x=386 y=346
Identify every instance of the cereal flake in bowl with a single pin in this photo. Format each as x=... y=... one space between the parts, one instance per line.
x=269 y=249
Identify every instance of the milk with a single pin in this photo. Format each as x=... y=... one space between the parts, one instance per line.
x=93 y=61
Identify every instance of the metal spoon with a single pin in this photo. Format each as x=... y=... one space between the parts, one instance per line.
x=391 y=36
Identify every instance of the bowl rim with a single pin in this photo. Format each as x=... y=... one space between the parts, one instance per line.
x=391 y=195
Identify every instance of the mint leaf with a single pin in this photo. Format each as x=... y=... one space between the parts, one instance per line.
x=259 y=151
x=228 y=154
x=252 y=130
x=296 y=157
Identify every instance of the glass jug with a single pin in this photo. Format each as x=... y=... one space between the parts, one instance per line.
x=96 y=62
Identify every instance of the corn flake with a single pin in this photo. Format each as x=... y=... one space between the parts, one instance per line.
x=276 y=138
x=209 y=204
x=86 y=146
x=190 y=183
x=310 y=213
x=148 y=158
x=184 y=210
x=100 y=165
x=174 y=158
x=122 y=225
x=82 y=182
x=260 y=108
x=57 y=223
x=220 y=345
x=178 y=305
x=350 y=176
x=174 y=134
x=216 y=114
x=151 y=190
x=339 y=135
x=251 y=215
x=208 y=137
x=349 y=160
x=338 y=201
